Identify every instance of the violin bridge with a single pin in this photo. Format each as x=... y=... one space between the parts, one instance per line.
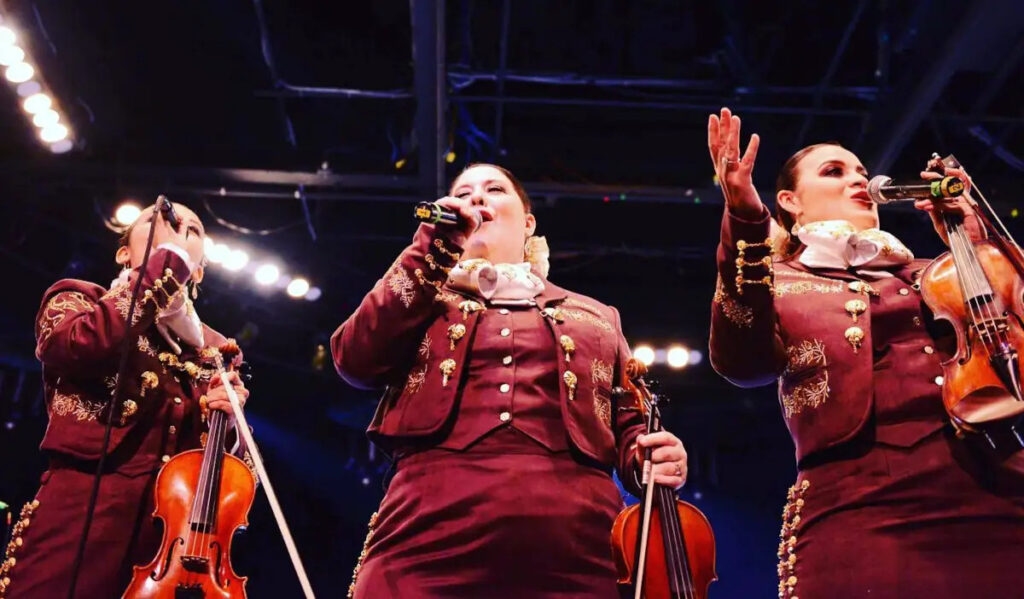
x=199 y=565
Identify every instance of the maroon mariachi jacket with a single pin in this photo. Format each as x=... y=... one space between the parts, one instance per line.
x=80 y=331
x=413 y=335
x=793 y=323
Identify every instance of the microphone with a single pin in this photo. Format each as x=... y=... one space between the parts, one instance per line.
x=432 y=213
x=168 y=213
x=882 y=190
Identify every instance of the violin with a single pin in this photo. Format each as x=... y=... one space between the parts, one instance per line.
x=663 y=547
x=978 y=288
x=202 y=496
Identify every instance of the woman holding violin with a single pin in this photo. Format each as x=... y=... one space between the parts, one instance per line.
x=80 y=331
x=889 y=501
x=498 y=411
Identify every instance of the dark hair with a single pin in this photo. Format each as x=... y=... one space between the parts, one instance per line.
x=787 y=181
x=517 y=185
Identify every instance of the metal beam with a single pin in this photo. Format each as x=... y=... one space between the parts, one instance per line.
x=428 y=56
x=897 y=120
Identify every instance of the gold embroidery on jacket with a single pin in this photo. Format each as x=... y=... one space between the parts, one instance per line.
x=414 y=382
x=400 y=284
x=122 y=295
x=601 y=374
x=145 y=346
x=16 y=543
x=737 y=313
x=808 y=393
x=798 y=287
x=59 y=307
x=447 y=296
x=581 y=316
x=787 y=545
x=571 y=301
x=64 y=404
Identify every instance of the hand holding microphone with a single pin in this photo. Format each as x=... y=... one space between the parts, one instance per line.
x=460 y=215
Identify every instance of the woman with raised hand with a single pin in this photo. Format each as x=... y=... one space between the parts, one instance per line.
x=888 y=502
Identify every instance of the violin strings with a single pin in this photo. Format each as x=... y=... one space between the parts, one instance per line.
x=967 y=282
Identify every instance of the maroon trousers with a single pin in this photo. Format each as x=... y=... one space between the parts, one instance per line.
x=122 y=535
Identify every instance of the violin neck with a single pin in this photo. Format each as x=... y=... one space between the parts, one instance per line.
x=973 y=282
x=204 y=507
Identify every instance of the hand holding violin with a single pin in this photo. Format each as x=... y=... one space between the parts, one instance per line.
x=668 y=457
x=963 y=204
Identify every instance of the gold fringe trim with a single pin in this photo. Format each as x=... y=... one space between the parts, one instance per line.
x=787 y=545
x=24 y=520
x=362 y=555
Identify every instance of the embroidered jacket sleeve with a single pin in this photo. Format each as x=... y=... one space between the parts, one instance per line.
x=378 y=341
x=628 y=422
x=77 y=331
x=745 y=346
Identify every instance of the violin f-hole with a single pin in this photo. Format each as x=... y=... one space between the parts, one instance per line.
x=167 y=560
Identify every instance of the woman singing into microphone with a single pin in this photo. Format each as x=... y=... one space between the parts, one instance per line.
x=80 y=333
x=498 y=412
x=888 y=503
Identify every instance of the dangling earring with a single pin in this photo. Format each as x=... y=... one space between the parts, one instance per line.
x=195 y=291
x=536 y=252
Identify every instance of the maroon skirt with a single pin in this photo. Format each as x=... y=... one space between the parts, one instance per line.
x=934 y=520
x=506 y=518
x=122 y=535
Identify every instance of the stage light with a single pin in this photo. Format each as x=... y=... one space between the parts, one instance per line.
x=20 y=72
x=298 y=287
x=267 y=274
x=218 y=253
x=313 y=294
x=645 y=354
x=36 y=103
x=53 y=133
x=678 y=356
x=449 y=157
x=236 y=260
x=61 y=146
x=126 y=214
x=695 y=357
x=11 y=55
x=46 y=118
x=7 y=37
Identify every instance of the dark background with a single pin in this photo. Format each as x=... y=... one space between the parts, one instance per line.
x=259 y=115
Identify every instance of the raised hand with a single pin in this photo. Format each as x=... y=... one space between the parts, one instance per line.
x=734 y=173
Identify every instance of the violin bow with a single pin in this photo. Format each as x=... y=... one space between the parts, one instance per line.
x=242 y=426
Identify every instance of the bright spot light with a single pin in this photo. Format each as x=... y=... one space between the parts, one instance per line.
x=61 y=146
x=126 y=214
x=645 y=354
x=20 y=72
x=218 y=253
x=268 y=274
x=695 y=357
x=7 y=36
x=11 y=55
x=37 y=103
x=53 y=133
x=313 y=294
x=678 y=356
x=366 y=481
x=236 y=260
x=45 y=118
x=698 y=495
x=298 y=287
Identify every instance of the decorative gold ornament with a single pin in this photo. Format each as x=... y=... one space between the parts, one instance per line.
x=456 y=332
x=854 y=335
x=447 y=368
x=568 y=345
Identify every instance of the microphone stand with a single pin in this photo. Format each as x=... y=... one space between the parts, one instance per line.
x=112 y=407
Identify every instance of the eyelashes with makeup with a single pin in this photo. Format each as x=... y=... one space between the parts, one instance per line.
x=489 y=190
